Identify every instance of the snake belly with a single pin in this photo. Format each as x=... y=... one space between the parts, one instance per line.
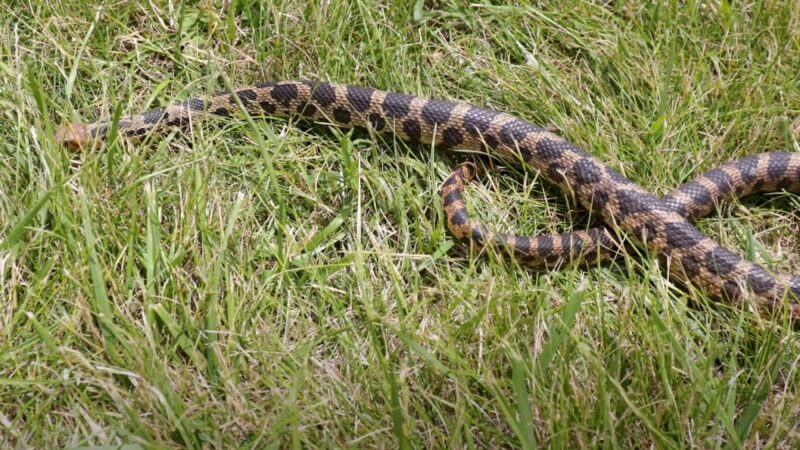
x=650 y=222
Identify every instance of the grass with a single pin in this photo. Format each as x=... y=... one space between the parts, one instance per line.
x=257 y=284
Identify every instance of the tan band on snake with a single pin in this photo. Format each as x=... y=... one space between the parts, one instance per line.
x=659 y=225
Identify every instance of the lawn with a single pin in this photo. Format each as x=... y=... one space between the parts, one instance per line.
x=267 y=283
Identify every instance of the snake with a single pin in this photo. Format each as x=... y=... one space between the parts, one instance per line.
x=661 y=226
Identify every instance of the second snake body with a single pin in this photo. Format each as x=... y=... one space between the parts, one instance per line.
x=659 y=225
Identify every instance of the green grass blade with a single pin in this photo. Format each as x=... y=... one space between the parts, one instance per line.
x=18 y=230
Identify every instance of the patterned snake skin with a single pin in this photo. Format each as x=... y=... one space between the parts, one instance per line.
x=659 y=225
x=691 y=200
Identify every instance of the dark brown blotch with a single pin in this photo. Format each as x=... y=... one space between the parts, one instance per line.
x=412 y=129
x=647 y=231
x=222 y=111
x=268 y=106
x=690 y=266
x=721 y=179
x=477 y=120
x=342 y=115
x=522 y=244
x=324 y=94
x=154 y=116
x=490 y=142
x=544 y=245
x=452 y=197
x=697 y=193
x=599 y=200
x=604 y=239
x=376 y=121
x=459 y=217
x=555 y=172
x=307 y=109
x=359 y=97
x=478 y=234
x=526 y=152
x=194 y=104
x=778 y=165
x=759 y=280
x=397 y=105
x=674 y=205
x=632 y=202
x=515 y=131
x=573 y=243
x=101 y=131
x=731 y=290
x=794 y=287
x=284 y=94
x=681 y=235
x=748 y=169
x=136 y=132
x=548 y=149
x=177 y=121
x=437 y=112
x=720 y=261
x=451 y=137
x=246 y=96
x=586 y=171
x=453 y=178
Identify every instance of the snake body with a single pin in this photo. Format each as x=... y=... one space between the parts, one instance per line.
x=659 y=225
x=691 y=200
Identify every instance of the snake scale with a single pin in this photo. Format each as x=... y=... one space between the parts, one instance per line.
x=660 y=225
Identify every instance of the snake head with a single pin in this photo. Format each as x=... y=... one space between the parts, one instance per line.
x=73 y=136
x=468 y=171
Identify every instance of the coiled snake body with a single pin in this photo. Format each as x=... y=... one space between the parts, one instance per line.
x=659 y=225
